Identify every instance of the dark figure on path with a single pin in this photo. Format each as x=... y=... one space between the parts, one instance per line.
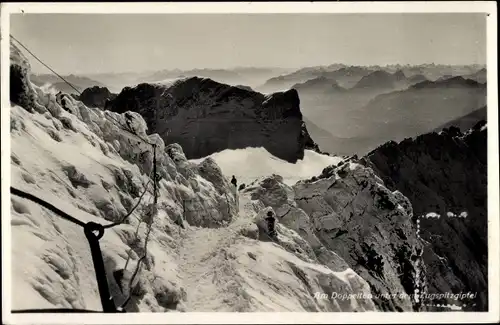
x=234 y=182
x=270 y=224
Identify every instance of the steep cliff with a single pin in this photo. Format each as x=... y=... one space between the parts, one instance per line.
x=204 y=117
x=348 y=217
x=445 y=173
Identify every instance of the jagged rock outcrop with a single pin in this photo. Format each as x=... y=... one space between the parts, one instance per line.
x=205 y=116
x=445 y=173
x=96 y=96
x=349 y=218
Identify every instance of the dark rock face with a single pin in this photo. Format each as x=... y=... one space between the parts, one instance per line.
x=445 y=173
x=96 y=96
x=21 y=92
x=356 y=216
x=205 y=116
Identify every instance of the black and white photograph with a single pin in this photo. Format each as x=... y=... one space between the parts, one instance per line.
x=183 y=162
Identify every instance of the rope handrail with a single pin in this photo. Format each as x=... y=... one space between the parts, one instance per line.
x=90 y=228
x=46 y=205
x=122 y=220
x=95 y=231
x=45 y=65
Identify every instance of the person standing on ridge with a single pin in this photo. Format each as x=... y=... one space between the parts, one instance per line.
x=234 y=182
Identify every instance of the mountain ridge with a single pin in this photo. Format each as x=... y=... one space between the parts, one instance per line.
x=445 y=175
x=189 y=105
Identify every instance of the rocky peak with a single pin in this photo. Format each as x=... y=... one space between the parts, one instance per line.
x=348 y=218
x=96 y=96
x=205 y=117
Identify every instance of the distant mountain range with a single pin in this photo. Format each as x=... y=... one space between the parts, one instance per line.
x=348 y=76
x=466 y=122
x=479 y=76
x=345 y=76
x=384 y=105
x=319 y=84
x=79 y=82
x=351 y=109
x=382 y=80
x=238 y=76
x=416 y=110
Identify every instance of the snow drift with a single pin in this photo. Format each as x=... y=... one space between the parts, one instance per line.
x=252 y=163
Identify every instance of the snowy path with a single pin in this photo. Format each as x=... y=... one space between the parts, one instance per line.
x=207 y=269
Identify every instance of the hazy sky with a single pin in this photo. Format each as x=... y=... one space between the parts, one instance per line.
x=89 y=43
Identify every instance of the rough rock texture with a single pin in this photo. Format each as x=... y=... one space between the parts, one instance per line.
x=96 y=96
x=204 y=251
x=81 y=160
x=204 y=117
x=441 y=173
x=348 y=218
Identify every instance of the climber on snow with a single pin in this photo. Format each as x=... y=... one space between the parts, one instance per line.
x=234 y=182
x=270 y=223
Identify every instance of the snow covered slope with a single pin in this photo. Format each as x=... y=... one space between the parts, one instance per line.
x=251 y=163
x=82 y=162
x=208 y=249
